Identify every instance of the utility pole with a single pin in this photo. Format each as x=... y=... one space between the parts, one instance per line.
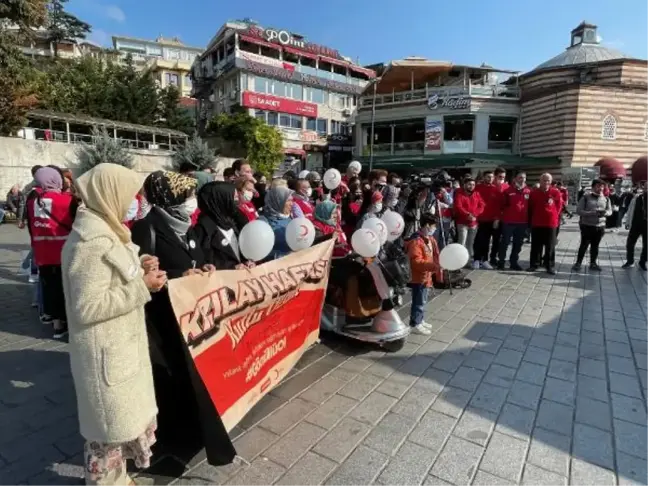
x=373 y=123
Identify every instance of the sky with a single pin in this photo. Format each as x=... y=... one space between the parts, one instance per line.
x=506 y=34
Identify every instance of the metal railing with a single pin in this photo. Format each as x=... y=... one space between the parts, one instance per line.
x=396 y=148
x=59 y=136
x=495 y=91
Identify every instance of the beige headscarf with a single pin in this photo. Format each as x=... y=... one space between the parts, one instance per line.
x=108 y=190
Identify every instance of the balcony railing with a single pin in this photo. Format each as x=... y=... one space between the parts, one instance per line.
x=495 y=91
x=397 y=148
x=46 y=135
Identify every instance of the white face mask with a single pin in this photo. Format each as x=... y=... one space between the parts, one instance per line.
x=309 y=192
x=376 y=208
x=248 y=195
x=190 y=206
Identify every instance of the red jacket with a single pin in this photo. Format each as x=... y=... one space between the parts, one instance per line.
x=248 y=209
x=50 y=223
x=565 y=195
x=515 y=205
x=423 y=253
x=194 y=217
x=546 y=207
x=342 y=247
x=492 y=196
x=305 y=206
x=465 y=204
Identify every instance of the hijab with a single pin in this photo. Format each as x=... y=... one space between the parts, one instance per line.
x=202 y=178
x=49 y=179
x=107 y=190
x=275 y=200
x=324 y=212
x=167 y=192
x=216 y=200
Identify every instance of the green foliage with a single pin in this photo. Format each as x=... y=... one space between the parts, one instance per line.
x=171 y=114
x=261 y=143
x=195 y=153
x=104 y=149
x=17 y=75
x=63 y=26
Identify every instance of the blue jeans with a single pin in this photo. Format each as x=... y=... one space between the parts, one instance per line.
x=515 y=232
x=419 y=299
x=446 y=234
x=2 y=214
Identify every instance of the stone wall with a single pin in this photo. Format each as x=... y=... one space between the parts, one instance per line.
x=17 y=156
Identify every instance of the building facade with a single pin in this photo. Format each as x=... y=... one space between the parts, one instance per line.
x=426 y=114
x=41 y=45
x=585 y=104
x=168 y=59
x=308 y=91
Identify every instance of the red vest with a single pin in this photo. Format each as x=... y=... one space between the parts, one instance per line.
x=305 y=206
x=248 y=209
x=50 y=223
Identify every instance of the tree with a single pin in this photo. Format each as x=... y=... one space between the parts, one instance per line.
x=104 y=149
x=241 y=134
x=172 y=115
x=17 y=76
x=63 y=26
x=195 y=153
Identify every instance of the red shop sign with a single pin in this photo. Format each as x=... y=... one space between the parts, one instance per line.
x=281 y=105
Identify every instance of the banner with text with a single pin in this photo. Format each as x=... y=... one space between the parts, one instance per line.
x=246 y=329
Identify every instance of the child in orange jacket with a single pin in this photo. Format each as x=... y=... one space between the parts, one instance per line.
x=423 y=253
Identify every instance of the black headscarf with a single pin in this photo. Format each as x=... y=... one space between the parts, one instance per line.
x=216 y=201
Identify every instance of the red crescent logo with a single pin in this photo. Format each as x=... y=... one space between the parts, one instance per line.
x=304 y=229
x=372 y=235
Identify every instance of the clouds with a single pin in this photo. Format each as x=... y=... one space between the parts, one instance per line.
x=115 y=13
x=100 y=37
x=108 y=11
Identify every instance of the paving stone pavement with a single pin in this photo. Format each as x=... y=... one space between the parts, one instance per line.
x=527 y=379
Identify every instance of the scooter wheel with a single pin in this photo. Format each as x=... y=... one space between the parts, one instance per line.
x=393 y=346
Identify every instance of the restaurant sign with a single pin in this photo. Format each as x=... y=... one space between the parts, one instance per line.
x=288 y=75
x=261 y=101
x=450 y=102
x=285 y=38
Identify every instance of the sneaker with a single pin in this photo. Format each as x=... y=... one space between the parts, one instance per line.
x=594 y=267
x=576 y=267
x=627 y=265
x=60 y=333
x=642 y=265
x=476 y=265
x=33 y=305
x=426 y=324
x=516 y=267
x=33 y=279
x=486 y=266
x=531 y=269
x=47 y=320
x=421 y=329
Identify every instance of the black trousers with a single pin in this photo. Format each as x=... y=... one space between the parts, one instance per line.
x=53 y=298
x=636 y=231
x=482 y=249
x=543 y=242
x=591 y=237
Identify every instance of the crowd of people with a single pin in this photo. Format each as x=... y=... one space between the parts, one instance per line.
x=105 y=245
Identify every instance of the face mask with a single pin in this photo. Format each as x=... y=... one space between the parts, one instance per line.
x=431 y=231
x=393 y=203
x=248 y=195
x=189 y=206
x=376 y=208
x=519 y=185
x=309 y=192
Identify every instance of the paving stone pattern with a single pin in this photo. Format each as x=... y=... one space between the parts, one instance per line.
x=527 y=379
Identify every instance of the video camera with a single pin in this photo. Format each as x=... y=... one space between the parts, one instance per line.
x=433 y=181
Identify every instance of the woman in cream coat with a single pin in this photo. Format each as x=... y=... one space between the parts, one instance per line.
x=105 y=292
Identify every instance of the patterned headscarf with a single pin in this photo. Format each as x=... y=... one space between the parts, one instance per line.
x=49 y=179
x=166 y=189
x=324 y=212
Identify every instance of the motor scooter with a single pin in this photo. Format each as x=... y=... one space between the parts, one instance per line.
x=384 y=327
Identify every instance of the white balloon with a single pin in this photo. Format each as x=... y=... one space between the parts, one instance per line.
x=300 y=234
x=379 y=227
x=256 y=240
x=395 y=224
x=303 y=174
x=365 y=243
x=332 y=178
x=454 y=257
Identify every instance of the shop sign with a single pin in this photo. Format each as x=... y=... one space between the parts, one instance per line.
x=281 y=105
x=450 y=102
x=308 y=136
x=267 y=70
x=285 y=38
x=250 y=56
x=339 y=139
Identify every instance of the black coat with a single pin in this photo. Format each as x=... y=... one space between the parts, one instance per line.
x=187 y=418
x=213 y=245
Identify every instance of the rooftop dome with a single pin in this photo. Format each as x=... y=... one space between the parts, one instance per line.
x=585 y=48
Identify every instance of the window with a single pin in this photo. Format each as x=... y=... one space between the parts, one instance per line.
x=501 y=132
x=608 y=128
x=244 y=81
x=311 y=124
x=315 y=95
x=279 y=88
x=172 y=79
x=260 y=84
x=290 y=121
x=186 y=81
x=458 y=128
x=297 y=92
x=322 y=126
x=273 y=118
x=260 y=114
